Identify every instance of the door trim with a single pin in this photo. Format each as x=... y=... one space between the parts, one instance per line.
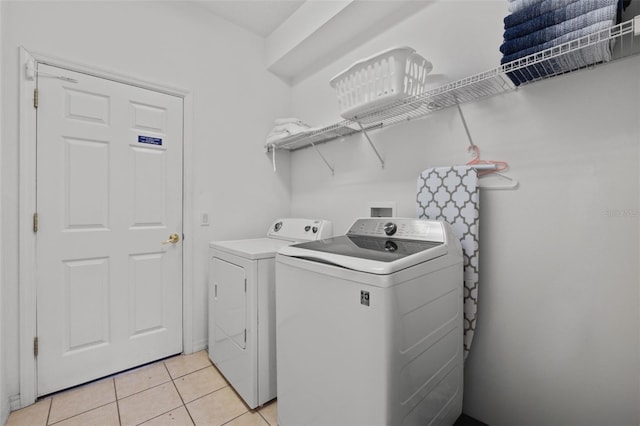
x=27 y=206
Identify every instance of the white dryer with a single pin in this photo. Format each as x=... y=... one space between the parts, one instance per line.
x=241 y=306
x=369 y=326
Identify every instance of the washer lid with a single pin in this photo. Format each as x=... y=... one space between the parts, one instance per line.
x=367 y=254
x=371 y=248
x=258 y=248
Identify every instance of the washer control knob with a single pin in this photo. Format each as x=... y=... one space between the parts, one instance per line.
x=315 y=229
x=390 y=228
x=277 y=226
x=306 y=228
x=390 y=246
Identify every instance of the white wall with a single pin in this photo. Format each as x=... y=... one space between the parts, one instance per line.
x=4 y=397
x=558 y=329
x=177 y=44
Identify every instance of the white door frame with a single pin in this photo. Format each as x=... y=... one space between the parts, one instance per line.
x=27 y=207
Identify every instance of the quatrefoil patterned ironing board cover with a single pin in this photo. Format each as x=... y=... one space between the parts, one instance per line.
x=452 y=194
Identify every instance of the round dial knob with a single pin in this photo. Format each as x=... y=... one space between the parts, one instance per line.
x=390 y=228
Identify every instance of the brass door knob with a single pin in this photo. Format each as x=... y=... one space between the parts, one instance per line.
x=173 y=238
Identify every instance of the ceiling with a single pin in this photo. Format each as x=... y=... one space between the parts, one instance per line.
x=302 y=36
x=260 y=17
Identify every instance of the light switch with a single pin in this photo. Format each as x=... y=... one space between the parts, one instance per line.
x=204 y=218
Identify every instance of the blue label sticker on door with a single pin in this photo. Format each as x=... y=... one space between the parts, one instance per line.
x=149 y=140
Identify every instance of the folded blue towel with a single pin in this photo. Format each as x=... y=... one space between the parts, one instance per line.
x=534 y=11
x=516 y=5
x=549 y=33
x=600 y=52
x=573 y=35
x=521 y=12
x=557 y=16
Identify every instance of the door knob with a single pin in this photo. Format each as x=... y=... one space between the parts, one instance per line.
x=173 y=238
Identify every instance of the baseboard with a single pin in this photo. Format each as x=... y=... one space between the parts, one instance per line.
x=14 y=402
x=5 y=409
x=200 y=345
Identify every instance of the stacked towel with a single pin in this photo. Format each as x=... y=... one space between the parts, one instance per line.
x=285 y=127
x=539 y=9
x=536 y=25
x=518 y=38
x=556 y=20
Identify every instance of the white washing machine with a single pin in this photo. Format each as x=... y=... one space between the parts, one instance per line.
x=369 y=326
x=241 y=306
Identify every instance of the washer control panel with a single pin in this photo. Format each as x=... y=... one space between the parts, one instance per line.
x=401 y=228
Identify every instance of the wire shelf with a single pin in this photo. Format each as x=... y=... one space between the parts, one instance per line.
x=603 y=46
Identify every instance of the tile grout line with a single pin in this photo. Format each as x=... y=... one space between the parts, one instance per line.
x=263 y=418
x=177 y=391
x=219 y=389
x=186 y=374
x=83 y=412
x=49 y=411
x=171 y=378
x=79 y=414
x=207 y=394
x=144 y=390
x=115 y=389
x=179 y=394
x=241 y=400
x=230 y=420
x=170 y=410
x=200 y=397
x=117 y=399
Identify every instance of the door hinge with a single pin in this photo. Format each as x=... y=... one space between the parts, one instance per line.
x=35 y=98
x=245 y=285
x=245 y=335
x=35 y=222
x=35 y=346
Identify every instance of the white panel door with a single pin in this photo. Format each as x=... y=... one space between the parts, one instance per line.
x=109 y=193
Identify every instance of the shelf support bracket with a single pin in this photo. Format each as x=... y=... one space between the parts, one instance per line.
x=366 y=135
x=466 y=128
x=323 y=158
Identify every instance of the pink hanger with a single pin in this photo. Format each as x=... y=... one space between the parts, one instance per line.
x=499 y=165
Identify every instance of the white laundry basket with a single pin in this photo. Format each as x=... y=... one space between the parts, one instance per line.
x=381 y=79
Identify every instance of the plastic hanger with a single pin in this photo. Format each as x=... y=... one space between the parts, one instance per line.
x=499 y=165
x=512 y=184
x=486 y=167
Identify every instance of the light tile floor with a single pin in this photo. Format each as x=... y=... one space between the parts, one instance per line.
x=183 y=390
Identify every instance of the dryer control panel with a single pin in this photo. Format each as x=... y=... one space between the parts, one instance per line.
x=296 y=229
x=401 y=228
